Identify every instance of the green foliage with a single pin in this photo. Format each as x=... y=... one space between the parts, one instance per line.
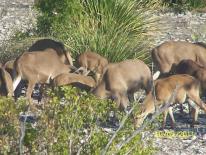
x=182 y=5
x=116 y=29
x=9 y=124
x=69 y=123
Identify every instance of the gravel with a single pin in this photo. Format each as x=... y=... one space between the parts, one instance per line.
x=185 y=27
x=193 y=143
x=19 y=15
x=15 y=15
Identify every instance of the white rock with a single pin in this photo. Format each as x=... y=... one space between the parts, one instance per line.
x=204 y=137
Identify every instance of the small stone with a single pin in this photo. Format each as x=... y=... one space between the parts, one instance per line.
x=204 y=136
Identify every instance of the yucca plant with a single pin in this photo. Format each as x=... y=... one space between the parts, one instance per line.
x=116 y=29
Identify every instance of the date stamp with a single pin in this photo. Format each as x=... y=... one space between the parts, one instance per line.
x=174 y=134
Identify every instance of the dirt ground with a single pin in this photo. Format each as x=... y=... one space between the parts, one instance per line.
x=183 y=140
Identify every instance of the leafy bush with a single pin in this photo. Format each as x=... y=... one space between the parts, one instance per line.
x=9 y=126
x=182 y=5
x=69 y=123
x=116 y=29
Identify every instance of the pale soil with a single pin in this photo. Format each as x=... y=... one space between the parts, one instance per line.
x=190 y=145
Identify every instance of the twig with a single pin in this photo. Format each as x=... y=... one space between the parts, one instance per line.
x=153 y=88
x=157 y=113
x=22 y=129
x=137 y=144
x=70 y=146
x=87 y=139
x=120 y=127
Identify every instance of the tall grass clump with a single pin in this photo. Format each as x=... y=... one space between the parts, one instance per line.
x=116 y=29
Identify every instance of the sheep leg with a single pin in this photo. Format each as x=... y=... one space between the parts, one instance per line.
x=172 y=117
x=29 y=93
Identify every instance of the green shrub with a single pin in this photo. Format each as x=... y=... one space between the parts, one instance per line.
x=9 y=126
x=66 y=126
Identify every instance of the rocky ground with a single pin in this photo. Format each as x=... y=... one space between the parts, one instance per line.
x=184 y=140
x=185 y=26
x=18 y=15
x=15 y=15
